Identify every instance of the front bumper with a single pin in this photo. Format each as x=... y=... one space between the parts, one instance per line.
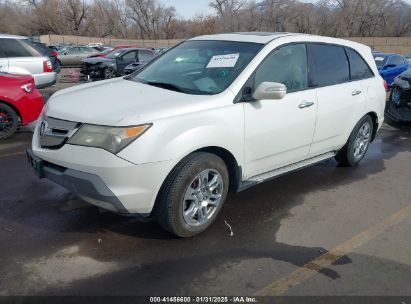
x=90 y=187
x=102 y=178
x=91 y=71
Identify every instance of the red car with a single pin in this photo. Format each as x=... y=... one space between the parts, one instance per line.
x=111 y=50
x=20 y=103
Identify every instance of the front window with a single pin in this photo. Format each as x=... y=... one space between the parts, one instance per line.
x=199 y=67
x=114 y=54
x=287 y=65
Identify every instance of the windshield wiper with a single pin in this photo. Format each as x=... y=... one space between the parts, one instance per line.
x=164 y=85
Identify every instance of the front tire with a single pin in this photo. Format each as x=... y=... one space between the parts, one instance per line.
x=358 y=143
x=109 y=73
x=9 y=121
x=193 y=194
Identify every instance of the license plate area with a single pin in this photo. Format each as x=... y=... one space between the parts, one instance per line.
x=36 y=164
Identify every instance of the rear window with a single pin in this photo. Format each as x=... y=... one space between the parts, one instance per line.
x=358 y=67
x=16 y=48
x=330 y=65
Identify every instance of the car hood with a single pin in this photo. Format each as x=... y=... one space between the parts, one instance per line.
x=96 y=60
x=121 y=102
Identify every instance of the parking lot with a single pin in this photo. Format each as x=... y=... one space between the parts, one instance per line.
x=325 y=230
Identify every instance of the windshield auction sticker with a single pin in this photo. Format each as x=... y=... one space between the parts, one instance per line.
x=223 y=61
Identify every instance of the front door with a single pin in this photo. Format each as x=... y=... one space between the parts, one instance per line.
x=280 y=132
x=125 y=60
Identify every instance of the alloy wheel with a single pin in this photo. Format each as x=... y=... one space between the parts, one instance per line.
x=362 y=140
x=6 y=122
x=202 y=198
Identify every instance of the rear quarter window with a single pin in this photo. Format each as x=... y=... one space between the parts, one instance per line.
x=359 y=69
x=16 y=48
x=329 y=65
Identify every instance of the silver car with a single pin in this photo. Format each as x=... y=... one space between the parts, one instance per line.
x=19 y=57
x=73 y=56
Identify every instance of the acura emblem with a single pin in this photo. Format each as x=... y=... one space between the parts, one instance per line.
x=43 y=128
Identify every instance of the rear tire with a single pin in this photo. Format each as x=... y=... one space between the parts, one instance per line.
x=9 y=121
x=358 y=143
x=192 y=195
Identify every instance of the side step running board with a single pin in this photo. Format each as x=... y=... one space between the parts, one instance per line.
x=283 y=170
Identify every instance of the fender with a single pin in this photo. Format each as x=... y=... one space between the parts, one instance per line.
x=191 y=132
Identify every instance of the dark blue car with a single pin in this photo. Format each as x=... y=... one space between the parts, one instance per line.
x=390 y=66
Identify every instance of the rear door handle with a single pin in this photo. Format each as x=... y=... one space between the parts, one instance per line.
x=306 y=104
x=356 y=92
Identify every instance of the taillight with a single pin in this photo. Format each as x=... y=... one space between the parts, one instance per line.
x=47 y=66
x=386 y=86
x=28 y=87
x=54 y=54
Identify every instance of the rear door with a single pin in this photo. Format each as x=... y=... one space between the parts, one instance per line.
x=339 y=98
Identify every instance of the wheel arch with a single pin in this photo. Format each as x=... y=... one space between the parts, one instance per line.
x=2 y=101
x=234 y=170
x=374 y=118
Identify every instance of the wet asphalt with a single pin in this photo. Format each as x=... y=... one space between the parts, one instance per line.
x=54 y=244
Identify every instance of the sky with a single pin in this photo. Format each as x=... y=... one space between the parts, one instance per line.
x=189 y=8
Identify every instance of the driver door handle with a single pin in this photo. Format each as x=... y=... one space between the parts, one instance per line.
x=356 y=92
x=306 y=104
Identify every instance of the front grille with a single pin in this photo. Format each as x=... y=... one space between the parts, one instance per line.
x=406 y=95
x=54 y=133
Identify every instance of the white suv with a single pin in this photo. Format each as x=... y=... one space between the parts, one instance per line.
x=214 y=114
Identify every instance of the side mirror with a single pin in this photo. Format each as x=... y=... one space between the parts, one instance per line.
x=270 y=90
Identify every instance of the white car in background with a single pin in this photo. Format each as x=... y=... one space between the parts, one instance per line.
x=19 y=57
x=217 y=113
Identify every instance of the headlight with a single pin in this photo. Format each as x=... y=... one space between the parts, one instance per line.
x=402 y=83
x=112 y=139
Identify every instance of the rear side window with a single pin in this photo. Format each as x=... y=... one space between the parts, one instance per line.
x=15 y=48
x=358 y=67
x=329 y=65
x=144 y=55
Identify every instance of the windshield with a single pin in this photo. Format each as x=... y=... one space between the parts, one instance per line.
x=199 y=67
x=380 y=61
x=107 y=51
